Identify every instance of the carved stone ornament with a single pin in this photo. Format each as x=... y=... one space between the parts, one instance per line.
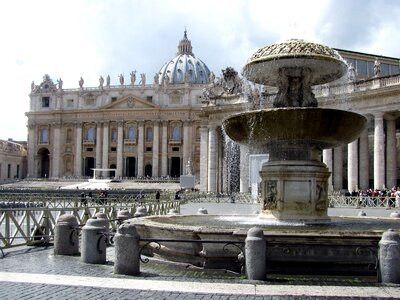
x=229 y=84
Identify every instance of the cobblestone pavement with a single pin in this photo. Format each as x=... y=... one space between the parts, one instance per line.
x=36 y=273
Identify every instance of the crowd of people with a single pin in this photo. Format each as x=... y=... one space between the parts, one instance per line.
x=378 y=197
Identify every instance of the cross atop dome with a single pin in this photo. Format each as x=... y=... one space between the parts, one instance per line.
x=185 y=45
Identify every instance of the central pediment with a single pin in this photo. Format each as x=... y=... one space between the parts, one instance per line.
x=130 y=102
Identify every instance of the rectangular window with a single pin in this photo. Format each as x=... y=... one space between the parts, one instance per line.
x=148 y=149
x=149 y=98
x=113 y=99
x=45 y=101
x=8 y=171
x=89 y=149
x=175 y=149
x=113 y=149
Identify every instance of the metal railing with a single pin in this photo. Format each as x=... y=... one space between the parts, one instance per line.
x=29 y=226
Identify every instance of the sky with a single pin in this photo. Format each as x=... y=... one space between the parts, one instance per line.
x=70 y=39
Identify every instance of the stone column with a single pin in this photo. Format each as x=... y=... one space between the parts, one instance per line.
x=352 y=168
x=379 y=152
x=156 y=145
x=32 y=172
x=140 y=149
x=78 y=150
x=120 y=150
x=391 y=153
x=164 y=149
x=338 y=168
x=56 y=155
x=212 y=159
x=105 y=147
x=244 y=169
x=327 y=158
x=98 y=145
x=203 y=158
x=364 y=160
x=186 y=145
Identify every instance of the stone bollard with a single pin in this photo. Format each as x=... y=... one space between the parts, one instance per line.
x=93 y=249
x=255 y=254
x=389 y=257
x=66 y=236
x=106 y=223
x=127 y=256
x=140 y=212
x=395 y=214
x=123 y=215
x=202 y=211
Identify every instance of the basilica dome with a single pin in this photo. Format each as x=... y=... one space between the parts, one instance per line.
x=185 y=67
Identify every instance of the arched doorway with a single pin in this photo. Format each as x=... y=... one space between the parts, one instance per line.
x=175 y=167
x=89 y=165
x=44 y=162
x=130 y=166
x=148 y=170
x=112 y=173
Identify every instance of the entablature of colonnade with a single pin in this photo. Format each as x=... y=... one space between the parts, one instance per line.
x=369 y=96
x=214 y=115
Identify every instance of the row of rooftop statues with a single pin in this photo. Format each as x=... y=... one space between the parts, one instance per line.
x=48 y=84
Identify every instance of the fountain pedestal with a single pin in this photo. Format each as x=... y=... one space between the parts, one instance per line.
x=294 y=191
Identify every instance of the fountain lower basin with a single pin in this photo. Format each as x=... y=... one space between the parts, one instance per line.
x=343 y=246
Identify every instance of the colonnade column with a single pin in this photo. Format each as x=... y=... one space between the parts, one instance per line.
x=364 y=160
x=98 y=145
x=56 y=155
x=31 y=151
x=379 y=152
x=105 y=147
x=140 y=149
x=164 y=149
x=244 y=169
x=186 y=145
x=78 y=150
x=212 y=159
x=391 y=153
x=338 y=168
x=156 y=145
x=327 y=158
x=352 y=169
x=120 y=146
x=203 y=158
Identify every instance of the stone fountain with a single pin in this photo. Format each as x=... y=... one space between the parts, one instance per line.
x=300 y=236
x=294 y=181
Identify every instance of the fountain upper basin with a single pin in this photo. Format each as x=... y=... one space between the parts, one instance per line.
x=321 y=127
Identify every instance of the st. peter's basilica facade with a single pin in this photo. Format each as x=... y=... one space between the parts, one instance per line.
x=156 y=129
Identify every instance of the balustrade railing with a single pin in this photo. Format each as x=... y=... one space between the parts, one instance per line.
x=29 y=226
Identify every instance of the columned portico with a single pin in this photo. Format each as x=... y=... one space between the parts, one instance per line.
x=327 y=158
x=352 y=171
x=105 y=147
x=120 y=145
x=212 y=159
x=164 y=149
x=391 y=153
x=244 y=169
x=78 y=150
x=56 y=155
x=98 y=146
x=140 y=149
x=379 y=152
x=204 y=158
